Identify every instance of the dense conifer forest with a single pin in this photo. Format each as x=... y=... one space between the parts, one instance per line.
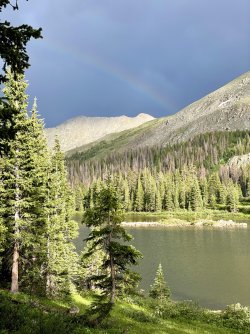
x=188 y=189
x=192 y=175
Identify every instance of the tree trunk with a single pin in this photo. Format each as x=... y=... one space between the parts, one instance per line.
x=14 y=273
x=48 y=274
x=112 y=269
x=15 y=259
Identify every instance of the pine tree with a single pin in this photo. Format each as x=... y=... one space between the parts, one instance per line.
x=214 y=185
x=222 y=194
x=139 y=197
x=79 y=195
x=17 y=177
x=159 y=290
x=168 y=199
x=61 y=229
x=195 y=196
x=90 y=266
x=232 y=198
x=126 y=196
x=107 y=233
x=158 y=201
x=3 y=229
x=212 y=201
x=39 y=163
x=204 y=191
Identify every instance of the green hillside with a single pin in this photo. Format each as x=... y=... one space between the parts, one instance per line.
x=32 y=315
x=114 y=142
x=209 y=151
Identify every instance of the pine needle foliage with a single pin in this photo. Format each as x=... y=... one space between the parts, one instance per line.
x=107 y=234
x=160 y=290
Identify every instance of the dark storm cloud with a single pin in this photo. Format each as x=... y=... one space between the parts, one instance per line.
x=114 y=57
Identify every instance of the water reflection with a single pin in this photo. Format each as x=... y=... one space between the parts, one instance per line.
x=210 y=266
x=206 y=265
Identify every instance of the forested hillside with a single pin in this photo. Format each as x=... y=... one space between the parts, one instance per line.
x=206 y=151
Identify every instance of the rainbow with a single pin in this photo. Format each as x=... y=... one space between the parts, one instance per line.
x=115 y=71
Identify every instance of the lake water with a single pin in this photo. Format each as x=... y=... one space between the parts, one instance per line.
x=210 y=266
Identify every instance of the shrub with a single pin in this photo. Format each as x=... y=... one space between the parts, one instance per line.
x=236 y=316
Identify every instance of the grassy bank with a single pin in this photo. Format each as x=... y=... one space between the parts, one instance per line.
x=190 y=216
x=25 y=314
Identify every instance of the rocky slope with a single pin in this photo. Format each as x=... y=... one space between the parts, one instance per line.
x=83 y=130
x=225 y=109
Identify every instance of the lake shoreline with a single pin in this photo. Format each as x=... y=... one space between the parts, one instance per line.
x=182 y=223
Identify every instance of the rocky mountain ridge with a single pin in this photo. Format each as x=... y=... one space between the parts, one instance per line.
x=82 y=130
x=226 y=109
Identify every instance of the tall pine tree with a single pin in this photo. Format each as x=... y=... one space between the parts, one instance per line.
x=23 y=183
x=61 y=229
x=107 y=233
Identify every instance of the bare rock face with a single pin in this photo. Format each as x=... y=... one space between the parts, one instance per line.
x=239 y=161
x=225 y=109
x=82 y=130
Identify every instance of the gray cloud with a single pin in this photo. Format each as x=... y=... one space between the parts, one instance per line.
x=114 y=57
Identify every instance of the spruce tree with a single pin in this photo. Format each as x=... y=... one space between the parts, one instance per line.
x=168 y=199
x=139 y=196
x=159 y=290
x=39 y=163
x=126 y=196
x=2 y=209
x=107 y=233
x=23 y=189
x=214 y=186
x=232 y=198
x=61 y=229
x=195 y=196
x=158 y=201
x=204 y=191
x=79 y=193
x=90 y=266
x=16 y=177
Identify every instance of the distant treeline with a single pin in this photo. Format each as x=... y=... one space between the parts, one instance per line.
x=205 y=151
x=189 y=188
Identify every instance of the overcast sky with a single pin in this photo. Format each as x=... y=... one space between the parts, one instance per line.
x=116 y=57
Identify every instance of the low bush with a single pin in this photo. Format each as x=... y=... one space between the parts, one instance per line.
x=236 y=316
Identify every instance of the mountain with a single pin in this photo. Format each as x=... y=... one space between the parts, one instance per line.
x=83 y=130
x=226 y=109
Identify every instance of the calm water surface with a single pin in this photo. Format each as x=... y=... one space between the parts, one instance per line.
x=210 y=266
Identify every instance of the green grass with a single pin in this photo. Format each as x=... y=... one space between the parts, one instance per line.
x=190 y=216
x=30 y=315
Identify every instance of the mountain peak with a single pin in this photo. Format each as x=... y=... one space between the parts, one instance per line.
x=82 y=130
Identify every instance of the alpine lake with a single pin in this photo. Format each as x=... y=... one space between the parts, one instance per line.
x=210 y=266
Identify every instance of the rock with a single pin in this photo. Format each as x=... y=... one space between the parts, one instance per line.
x=74 y=310
x=239 y=161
